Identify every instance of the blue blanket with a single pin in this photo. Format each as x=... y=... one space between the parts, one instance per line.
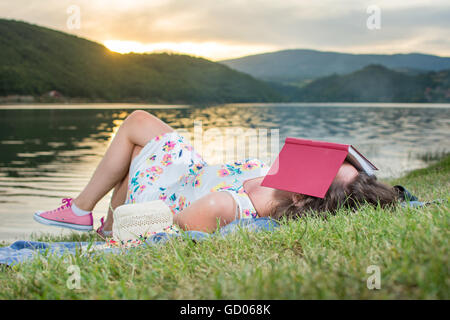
x=21 y=251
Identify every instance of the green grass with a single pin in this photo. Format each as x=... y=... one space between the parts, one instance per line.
x=306 y=259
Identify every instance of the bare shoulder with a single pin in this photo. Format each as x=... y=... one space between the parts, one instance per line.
x=204 y=213
x=221 y=199
x=220 y=205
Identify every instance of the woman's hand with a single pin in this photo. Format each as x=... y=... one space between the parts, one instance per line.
x=205 y=214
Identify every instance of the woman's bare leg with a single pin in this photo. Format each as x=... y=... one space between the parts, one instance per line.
x=137 y=129
x=118 y=198
x=119 y=195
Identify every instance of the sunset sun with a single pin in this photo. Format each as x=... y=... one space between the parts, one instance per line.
x=210 y=50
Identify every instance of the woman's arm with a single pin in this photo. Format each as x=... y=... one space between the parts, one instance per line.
x=206 y=212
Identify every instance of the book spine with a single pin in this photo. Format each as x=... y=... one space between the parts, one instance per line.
x=318 y=144
x=370 y=163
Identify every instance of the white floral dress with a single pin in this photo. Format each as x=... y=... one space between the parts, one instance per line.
x=168 y=168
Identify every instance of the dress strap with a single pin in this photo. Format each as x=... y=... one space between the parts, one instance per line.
x=237 y=215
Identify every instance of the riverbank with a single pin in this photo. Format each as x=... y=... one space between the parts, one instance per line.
x=307 y=259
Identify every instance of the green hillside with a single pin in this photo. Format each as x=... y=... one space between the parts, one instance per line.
x=296 y=66
x=374 y=83
x=35 y=60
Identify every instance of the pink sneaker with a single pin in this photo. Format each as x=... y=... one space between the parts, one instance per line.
x=65 y=218
x=103 y=233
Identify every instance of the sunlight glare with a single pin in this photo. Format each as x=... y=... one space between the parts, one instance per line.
x=210 y=50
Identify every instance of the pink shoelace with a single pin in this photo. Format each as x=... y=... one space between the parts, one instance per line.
x=67 y=203
x=101 y=232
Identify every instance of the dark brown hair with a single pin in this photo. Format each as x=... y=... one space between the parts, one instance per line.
x=364 y=189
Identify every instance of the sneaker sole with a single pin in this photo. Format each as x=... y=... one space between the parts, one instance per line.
x=47 y=222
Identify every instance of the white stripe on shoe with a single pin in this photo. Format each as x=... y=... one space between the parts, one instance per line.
x=54 y=223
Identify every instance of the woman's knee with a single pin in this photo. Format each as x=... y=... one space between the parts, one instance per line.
x=146 y=120
x=139 y=122
x=139 y=117
x=142 y=126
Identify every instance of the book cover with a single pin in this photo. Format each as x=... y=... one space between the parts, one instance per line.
x=309 y=167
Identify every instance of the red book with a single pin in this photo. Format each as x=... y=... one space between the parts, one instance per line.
x=309 y=167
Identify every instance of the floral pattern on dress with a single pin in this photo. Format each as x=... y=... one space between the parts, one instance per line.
x=249 y=213
x=168 y=146
x=169 y=169
x=238 y=167
x=166 y=160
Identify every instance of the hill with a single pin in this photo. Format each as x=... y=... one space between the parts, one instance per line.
x=296 y=66
x=35 y=60
x=374 y=83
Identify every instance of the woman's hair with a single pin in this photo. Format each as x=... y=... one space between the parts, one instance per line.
x=363 y=189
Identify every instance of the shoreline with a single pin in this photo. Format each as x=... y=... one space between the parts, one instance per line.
x=152 y=105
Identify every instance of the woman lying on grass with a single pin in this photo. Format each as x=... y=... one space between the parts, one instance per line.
x=147 y=160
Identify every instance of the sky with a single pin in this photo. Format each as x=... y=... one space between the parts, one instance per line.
x=224 y=29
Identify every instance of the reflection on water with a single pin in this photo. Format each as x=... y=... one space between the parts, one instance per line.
x=47 y=154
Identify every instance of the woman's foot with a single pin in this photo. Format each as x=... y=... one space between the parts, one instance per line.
x=102 y=232
x=64 y=217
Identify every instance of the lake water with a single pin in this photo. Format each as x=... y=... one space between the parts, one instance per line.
x=49 y=151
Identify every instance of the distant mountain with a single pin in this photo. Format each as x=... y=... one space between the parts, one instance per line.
x=296 y=66
x=374 y=83
x=41 y=64
x=35 y=61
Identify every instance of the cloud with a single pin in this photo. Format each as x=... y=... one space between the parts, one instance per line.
x=406 y=26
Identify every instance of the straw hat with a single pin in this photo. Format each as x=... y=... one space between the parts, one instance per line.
x=134 y=222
